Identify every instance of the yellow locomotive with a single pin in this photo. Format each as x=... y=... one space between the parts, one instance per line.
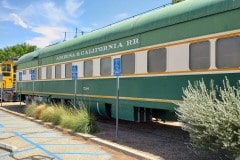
x=8 y=79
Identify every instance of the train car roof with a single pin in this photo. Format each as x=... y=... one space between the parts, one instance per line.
x=163 y=17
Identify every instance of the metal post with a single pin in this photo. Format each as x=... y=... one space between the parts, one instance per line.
x=75 y=92
x=75 y=77
x=1 y=94
x=20 y=88
x=117 y=106
x=1 y=80
x=33 y=88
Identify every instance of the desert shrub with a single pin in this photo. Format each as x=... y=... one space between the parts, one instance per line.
x=38 y=111
x=57 y=115
x=67 y=119
x=30 y=109
x=212 y=118
x=79 y=120
x=47 y=114
x=84 y=122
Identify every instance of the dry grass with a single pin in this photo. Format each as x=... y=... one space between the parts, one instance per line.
x=39 y=110
x=47 y=114
x=59 y=111
x=79 y=120
x=30 y=109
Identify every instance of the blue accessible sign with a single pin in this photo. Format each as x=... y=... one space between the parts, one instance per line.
x=117 y=67
x=74 y=72
x=33 y=75
x=20 y=76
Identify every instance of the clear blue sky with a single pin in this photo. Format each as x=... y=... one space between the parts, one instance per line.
x=44 y=22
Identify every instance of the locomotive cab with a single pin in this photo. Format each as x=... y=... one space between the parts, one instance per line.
x=8 y=71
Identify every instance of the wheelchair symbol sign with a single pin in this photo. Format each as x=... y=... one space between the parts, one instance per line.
x=33 y=75
x=74 y=72
x=74 y=68
x=20 y=76
x=117 y=67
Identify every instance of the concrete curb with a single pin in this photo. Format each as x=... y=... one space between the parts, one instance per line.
x=8 y=147
x=127 y=150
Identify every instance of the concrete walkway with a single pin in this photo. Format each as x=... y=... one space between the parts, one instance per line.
x=23 y=139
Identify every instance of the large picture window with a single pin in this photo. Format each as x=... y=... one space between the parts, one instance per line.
x=199 y=56
x=128 y=63
x=6 y=67
x=68 y=70
x=157 y=60
x=88 y=68
x=105 y=66
x=228 y=52
x=49 y=72
x=58 y=71
x=39 y=73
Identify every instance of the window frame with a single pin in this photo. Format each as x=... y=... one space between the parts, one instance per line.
x=198 y=62
x=58 y=66
x=88 y=70
x=234 y=57
x=49 y=72
x=126 y=63
x=150 y=61
x=104 y=61
x=68 y=70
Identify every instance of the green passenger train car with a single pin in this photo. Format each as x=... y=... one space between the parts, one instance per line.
x=160 y=52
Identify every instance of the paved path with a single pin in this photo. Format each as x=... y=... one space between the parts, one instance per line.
x=29 y=140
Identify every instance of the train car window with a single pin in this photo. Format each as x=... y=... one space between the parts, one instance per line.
x=157 y=60
x=68 y=70
x=49 y=72
x=105 y=66
x=199 y=56
x=6 y=67
x=128 y=63
x=36 y=73
x=58 y=71
x=228 y=52
x=24 y=72
x=14 y=69
x=6 y=74
x=88 y=68
x=39 y=73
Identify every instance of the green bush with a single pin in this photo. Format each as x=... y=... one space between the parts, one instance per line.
x=47 y=114
x=67 y=119
x=58 y=112
x=77 y=120
x=30 y=109
x=84 y=122
x=212 y=118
